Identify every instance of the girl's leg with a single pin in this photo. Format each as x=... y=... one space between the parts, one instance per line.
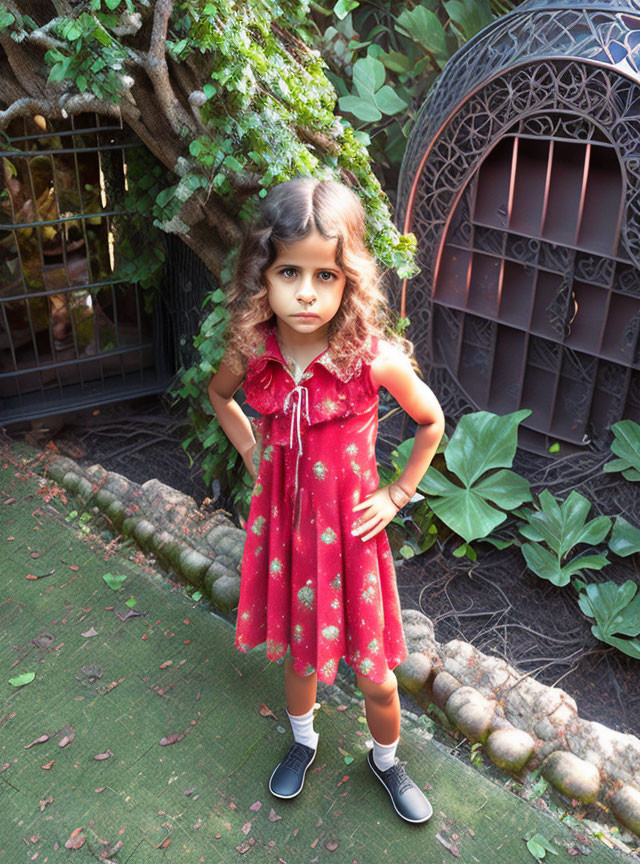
x=287 y=779
x=300 y=689
x=382 y=705
x=301 y=698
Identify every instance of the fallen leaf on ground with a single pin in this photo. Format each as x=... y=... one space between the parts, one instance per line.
x=131 y=613
x=344 y=780
x=99 y=789
x=76 y=840
x=246 y=828
x=166 y=663
x=244 y=847
x=20 y=680
x=273 y=816
x=451 y=847
x=39 y=740
x=114 y=582
x=332 y=845
x=49 y=765
x=265 y=711
x=171 y=739
x=101 y=756
x=36 y=554
x=90 y=632
x=256 y=806
x=69 y=733
x=45 y=801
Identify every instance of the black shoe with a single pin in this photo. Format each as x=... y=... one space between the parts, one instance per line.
x=409 y=802
x=288 y=778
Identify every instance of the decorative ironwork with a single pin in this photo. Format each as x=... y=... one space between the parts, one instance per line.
x=522 y=186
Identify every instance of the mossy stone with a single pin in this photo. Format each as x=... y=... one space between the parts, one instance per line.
x=59 y=468
x=443 y=686
x=471 y=712
x=572 y=776
x=129 y=524
x=71 y=481
x=215 y=571
x=103 y=498
x=510 y=749
x=414 y=672
x=161 y=543
x=225 y=592
x=626 y=808
x=84 y=488
x=192 y=565
x=115 y=511
x=143 y=532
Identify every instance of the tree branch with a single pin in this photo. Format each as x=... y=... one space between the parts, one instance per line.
x=158 y=71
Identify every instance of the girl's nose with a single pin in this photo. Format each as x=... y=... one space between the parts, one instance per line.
x=305 y=292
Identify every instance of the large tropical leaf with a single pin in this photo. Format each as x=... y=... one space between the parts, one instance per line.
x=616 y=609
x=625 y=445
x=481 y=443
x=625 y=538
x=562 y=527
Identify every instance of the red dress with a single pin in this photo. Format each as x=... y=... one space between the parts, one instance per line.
x=306 y=581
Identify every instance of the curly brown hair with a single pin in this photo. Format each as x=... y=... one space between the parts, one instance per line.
x=287 y=214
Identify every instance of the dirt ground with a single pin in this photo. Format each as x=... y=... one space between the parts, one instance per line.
x=494 y=603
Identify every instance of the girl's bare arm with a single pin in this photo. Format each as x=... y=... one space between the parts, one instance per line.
x=231 y=417
x=393 y=370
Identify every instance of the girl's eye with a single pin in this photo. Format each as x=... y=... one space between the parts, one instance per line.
x=326 y=276
x=288 y=272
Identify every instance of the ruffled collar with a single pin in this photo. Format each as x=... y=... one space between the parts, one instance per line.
x=269 y=348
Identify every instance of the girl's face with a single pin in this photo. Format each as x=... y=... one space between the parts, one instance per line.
x=305 y=285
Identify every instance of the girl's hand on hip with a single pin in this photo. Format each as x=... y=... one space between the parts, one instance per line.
x=378 y=509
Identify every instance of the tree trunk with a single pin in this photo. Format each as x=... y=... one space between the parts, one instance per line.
x=160 y=104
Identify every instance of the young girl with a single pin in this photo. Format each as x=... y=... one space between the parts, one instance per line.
x=306 y=344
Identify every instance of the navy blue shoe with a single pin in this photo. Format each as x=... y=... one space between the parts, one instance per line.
x=288 y=778
x=409 y=802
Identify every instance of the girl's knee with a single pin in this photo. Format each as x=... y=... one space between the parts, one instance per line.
x=383 y=693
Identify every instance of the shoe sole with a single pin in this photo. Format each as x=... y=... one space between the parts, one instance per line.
x=406 y=818
x=295 y=794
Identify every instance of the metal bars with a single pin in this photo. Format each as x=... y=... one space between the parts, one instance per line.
x=71 y=333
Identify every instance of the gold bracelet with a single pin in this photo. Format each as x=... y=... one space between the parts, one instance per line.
x=406 y=496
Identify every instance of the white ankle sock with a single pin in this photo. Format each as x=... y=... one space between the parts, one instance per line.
x=302 y=726
x=384 y=755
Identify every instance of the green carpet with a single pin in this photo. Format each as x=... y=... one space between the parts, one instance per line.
x=173 y=671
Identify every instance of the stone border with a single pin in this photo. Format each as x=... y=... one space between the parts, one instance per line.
x=521 y=723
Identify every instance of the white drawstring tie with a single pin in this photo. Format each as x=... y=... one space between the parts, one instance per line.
x=302 y=393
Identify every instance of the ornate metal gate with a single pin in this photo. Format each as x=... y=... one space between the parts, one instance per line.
x=522 y=183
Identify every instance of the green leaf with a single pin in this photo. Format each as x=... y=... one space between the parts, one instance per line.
x=406 y=551
x=483 y=441
x=20 y=680
x=616 y=608
x=468 y=16
x=343 y=7
x=112 y=4
x=365 y=111
x=546 y=565
x=368 y=75
x=114 y=582
x=555 y=448
x=504 y=488
x=626 y=445
x=423 y=26
x=630 y=647
x=538 y=845
x=388 y=101
x=564 y=526
x=625 y=538
x=130 y=602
